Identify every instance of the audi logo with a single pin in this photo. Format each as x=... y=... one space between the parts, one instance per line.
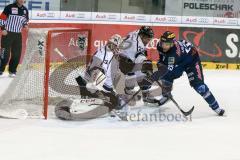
x=203 y=20
x=230 y=21
x=171 y=19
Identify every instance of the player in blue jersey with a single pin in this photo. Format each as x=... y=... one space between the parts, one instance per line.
x=178 y=57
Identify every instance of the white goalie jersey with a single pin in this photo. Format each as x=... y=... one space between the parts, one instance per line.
x=101 y=61
x=104 y=61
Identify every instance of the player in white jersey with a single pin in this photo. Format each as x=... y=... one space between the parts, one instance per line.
x=101 y=62
x=134 y=48
x=105 y=63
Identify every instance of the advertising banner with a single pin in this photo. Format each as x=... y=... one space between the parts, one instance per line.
x=197 y=20
x=166 y=19
x=215 y=45
x=126 y=17
x=102 y=16
x=77 y=16
x=45 y=15
x=225 y=21
x=208 y=8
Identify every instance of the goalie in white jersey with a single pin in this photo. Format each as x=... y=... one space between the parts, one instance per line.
x=103 y=63
x=134 y=49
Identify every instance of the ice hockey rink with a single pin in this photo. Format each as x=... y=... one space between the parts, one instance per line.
x=206 y=136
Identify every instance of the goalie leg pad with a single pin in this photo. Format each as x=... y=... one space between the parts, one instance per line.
x=62 y=110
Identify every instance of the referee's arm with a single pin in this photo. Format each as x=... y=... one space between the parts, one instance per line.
x=25 y=23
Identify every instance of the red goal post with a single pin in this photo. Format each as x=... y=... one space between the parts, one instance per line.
x=51 y=45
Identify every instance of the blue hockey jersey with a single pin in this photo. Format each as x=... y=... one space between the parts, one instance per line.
x=178 y=59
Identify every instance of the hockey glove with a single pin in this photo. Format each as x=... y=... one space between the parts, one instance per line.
x=147 y=66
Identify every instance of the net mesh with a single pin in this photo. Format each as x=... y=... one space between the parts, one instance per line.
x=67 y=54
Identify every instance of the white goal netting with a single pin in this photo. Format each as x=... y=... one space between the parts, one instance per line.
x=52 y=61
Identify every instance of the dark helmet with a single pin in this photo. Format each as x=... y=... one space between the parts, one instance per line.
x=168 y=37
x=146 y=31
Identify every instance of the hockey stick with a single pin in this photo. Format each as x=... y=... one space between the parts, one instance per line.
x=66 y=60
x=183 y=112
x=14 y=114
x=176 y=104
x=133 y=96
x=60 y=54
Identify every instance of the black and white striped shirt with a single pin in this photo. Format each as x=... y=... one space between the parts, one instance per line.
x=14 y=18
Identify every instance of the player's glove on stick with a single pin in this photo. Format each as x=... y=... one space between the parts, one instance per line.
x=147 y=66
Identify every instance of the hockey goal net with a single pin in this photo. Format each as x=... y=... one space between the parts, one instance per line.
x=52 y=61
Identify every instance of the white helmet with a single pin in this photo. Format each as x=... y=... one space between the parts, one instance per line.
x=116 y=39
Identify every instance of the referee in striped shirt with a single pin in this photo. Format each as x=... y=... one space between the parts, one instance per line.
x=12 y=20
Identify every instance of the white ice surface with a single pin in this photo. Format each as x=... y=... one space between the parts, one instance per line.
x=206 y=137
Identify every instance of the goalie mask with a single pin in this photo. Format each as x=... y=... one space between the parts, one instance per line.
x=114 y=43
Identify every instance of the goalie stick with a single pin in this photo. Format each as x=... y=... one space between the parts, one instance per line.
x=99 y=78
x=66 y=60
